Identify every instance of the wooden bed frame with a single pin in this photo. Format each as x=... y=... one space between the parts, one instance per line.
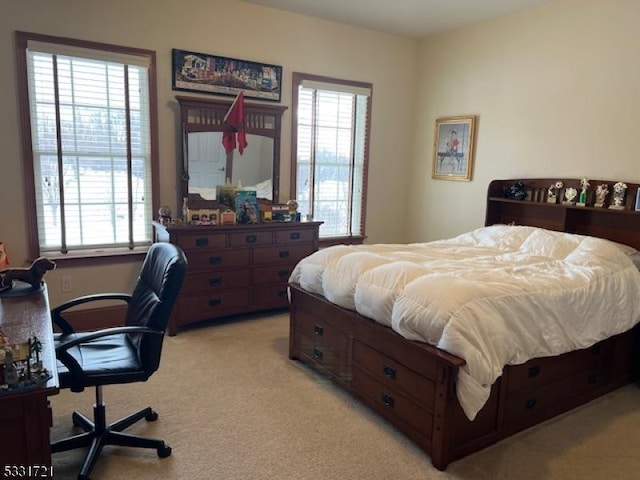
x=412 y=384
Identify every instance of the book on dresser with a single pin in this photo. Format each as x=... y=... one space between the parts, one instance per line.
x=235 y=269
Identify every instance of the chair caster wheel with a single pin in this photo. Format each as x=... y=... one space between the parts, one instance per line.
x=164 y=452
x=151 y=416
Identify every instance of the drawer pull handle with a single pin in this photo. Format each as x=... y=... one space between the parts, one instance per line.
x=283 y=254
x=389 y=371
x=534 y=371
x=215 y=260
x=215 y=282
x=283 y=273
x=593 y=379
x=318 y=353
x=295 y=236
x=251 y=239
x=202 y=242
x=529 y=404
x=318 y=329
x=387 y=400
x=282 y=293
x=215 y=302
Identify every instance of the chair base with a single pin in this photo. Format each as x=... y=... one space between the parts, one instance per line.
x=97 y=435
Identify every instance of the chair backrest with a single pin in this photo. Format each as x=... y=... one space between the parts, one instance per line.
x=153 y=298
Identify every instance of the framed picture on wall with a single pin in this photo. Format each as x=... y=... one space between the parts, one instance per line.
x=204 y=73
x=454 y=148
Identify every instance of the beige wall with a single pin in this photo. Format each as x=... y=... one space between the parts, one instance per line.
x=557 y=91
x=229 y=28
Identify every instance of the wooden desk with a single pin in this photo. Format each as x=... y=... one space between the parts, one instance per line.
x=25 y=416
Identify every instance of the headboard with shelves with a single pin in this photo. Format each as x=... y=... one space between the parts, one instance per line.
x=621 y=226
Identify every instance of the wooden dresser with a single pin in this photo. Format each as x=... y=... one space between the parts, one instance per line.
x=236 y=269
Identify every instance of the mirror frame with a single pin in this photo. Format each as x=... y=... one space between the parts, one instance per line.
x=207 y=115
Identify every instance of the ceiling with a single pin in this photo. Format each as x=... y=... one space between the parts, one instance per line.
x=413 y=18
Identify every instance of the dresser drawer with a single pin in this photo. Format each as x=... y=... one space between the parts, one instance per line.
x=281 y=254
x=547 y=369
x=386 y=371
x=276 y=274
x=216 y=280
x=217 y=259
x=271 y=296
x=321 y=354
x=391 y=402
x=295 y=236
x=212 y=304
x=248 y=239
x=202 y=242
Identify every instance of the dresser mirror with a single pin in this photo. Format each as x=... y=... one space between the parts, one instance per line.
x=206 y=164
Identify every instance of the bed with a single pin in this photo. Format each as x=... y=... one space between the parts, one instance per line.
x=358 y=315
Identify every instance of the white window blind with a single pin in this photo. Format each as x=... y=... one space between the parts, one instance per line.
x=90 y=130
x=331 y=155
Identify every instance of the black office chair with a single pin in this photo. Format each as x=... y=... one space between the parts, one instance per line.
x=119 y=355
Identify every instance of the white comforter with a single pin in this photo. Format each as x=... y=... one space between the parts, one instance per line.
x=496 y=296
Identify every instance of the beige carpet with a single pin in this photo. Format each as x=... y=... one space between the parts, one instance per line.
x=234 y=407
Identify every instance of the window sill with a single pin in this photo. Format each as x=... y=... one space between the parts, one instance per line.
x=348 y=240
x=97 y=256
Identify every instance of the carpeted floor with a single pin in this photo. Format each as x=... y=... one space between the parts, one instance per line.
x=234 y=407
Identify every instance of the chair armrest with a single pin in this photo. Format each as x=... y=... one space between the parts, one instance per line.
x=63 y=323
x=62 y=349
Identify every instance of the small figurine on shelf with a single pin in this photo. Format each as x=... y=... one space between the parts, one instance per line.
x=516 y=191
x=619 y=192
x=554 y=191
x=584 y=185
x=570 y=195
x=602 y=191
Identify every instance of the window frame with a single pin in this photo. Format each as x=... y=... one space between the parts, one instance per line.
x=297 y=79
x=85 y=256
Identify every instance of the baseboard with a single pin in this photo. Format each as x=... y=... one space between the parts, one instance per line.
x=96 y=318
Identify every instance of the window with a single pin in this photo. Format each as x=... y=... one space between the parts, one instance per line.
x=331 y=148
x=90 y=145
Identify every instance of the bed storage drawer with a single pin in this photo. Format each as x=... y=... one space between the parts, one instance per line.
x=529 y=406
x=322 y=354
x=392 y=403
x=323 y=331
x=548 y=369
x=393 y=374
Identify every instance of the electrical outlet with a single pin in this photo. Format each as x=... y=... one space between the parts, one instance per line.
x=65 y=284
